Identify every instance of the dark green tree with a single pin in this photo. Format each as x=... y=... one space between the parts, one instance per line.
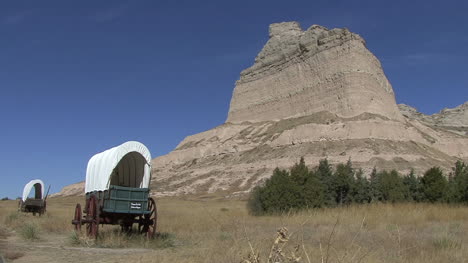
x=254 y=203
x=280 y=193
x=374 y=189
x=458 y=183
x=344 y=182
x=434 y=185
x=301 y=188
x=313 y=191
x=361 y=188
x=325 y=175
x=413 y=189
x=391 y=186
x=299 y=172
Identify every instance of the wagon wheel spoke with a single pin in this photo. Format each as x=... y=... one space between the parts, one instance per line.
x=141 y=221
x=92 y=216
x=89 y=216
x=151 y=219
x=77 y=218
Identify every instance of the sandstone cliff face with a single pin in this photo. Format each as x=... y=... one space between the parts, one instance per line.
x=298 y=73
x=455 y=120
x=315 y=94
x=235 y=157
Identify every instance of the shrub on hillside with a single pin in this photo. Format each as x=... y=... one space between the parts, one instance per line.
x=344 y=181
x=301 y=187
x=279 y=194
x=413 y=187
x=434 y=185
x=458 y=184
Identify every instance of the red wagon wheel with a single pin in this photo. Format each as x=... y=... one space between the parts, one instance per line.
x=77 y=218
x=148 y=222
x=92 y=217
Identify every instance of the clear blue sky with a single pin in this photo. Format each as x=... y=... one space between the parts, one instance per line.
x=78 y=77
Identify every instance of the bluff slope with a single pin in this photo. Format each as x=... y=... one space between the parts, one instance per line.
x=455 y=120
x=315 y=94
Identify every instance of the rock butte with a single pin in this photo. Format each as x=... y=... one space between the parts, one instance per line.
x=315 y=94
x=299 y=73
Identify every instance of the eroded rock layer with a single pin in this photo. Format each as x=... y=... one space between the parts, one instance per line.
x=455 y=120
x=315 y=94
x=235 y=157
x=298 y=73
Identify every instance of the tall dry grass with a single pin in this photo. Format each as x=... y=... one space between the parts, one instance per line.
x=222 y=231
x=56 y=220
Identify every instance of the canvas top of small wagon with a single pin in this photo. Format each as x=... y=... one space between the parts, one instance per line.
x=38 y=187
x=36 y=204
x=117 y=190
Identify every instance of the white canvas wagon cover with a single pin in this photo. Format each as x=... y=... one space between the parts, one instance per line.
x=38 y=188
x=128 y=164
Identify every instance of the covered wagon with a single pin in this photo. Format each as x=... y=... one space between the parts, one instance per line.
x=117 y=191
x=36 y=204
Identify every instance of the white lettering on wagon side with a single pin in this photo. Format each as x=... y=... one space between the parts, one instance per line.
x=135 y=205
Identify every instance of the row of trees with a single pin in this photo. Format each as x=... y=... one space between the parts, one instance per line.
x=324 y=186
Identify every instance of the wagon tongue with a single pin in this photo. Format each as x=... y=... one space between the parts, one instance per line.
x=47 y=193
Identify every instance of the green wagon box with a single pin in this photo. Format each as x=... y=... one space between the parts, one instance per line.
x=125 y=200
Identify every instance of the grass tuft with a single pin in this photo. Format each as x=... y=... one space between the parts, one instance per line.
x=12 y=218
x=29 y=231
x=164 y=240
x=446 y=243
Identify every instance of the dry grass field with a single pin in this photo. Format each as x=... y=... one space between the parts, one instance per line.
x=222 y=231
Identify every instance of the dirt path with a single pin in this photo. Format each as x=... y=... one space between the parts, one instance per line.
x=56 y=248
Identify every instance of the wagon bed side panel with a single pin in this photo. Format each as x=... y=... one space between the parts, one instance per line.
x=123 y=200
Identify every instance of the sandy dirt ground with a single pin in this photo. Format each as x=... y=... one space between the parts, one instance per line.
x=55 y=248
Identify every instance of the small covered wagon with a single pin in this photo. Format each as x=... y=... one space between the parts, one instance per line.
x=36 y=204
x=117 y=191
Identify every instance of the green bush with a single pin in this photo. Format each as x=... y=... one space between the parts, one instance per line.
x=313 y=192
x=434 y=185
x=324 y=173
x=254 y=204
x=391 y=187
x=413 y=188
x=343 y=183
x=301 y=187
x=458 y=184
x=361 y=190
x=280 y=193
